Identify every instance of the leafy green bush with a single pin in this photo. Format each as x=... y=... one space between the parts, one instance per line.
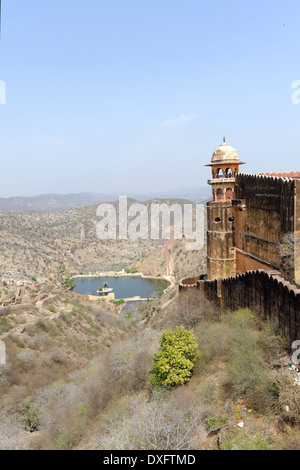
x=174 y=361
x=69 y=283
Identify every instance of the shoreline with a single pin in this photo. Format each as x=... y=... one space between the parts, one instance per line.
x=168 y=279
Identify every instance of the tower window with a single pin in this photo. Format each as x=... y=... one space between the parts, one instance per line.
x=217 y=219
x=231 y=219
x=219 y=194
x=229 y=194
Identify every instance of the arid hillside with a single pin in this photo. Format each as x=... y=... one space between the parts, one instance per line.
x=49 y=334
x=51 y=246
x=77 y=377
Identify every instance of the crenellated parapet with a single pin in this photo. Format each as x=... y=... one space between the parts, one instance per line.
x=266 y=293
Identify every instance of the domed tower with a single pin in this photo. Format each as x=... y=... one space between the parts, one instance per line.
x=221 y=256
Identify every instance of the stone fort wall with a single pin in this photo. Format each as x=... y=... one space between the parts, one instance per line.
x=264 y=292
x=265 y=208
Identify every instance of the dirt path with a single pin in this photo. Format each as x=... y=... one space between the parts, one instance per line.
x=167 y=251
x=165 y=305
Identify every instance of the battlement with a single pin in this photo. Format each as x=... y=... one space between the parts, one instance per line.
x=286 y=174
x=266 y=293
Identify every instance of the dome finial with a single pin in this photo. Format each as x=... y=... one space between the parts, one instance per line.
x=225 y=153
x=224 y=139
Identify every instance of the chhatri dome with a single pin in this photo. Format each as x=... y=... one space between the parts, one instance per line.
x=224 y=153
x=224 y=165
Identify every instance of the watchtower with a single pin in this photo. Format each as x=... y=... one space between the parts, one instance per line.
x=221 y=256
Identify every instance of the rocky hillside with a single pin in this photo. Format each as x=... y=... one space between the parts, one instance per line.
x=51 y=246
x=77 y=377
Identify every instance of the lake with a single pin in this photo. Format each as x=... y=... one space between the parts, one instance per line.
x=123 y=286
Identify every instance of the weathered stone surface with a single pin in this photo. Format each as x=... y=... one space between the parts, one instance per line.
x=270 y=210
x=266 y=293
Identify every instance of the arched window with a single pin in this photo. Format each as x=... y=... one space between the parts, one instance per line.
x=229 y=194
x=219 y=173
x=219 y=194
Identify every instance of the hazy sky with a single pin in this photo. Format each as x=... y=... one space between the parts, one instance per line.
x=122 y=96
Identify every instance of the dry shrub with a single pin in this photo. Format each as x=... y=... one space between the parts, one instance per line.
x=97 y=390
x=288 y=407
x=249 y=375
x=187 y=398
x=27 y=357
x=63 y=415
x=163 y=423
x=131 y=360
x=206 y=390
x=58 y=357
x=25 y=368
x=191 y=307
x=213 y=341
x=250 y=439
x=270 y=342
x=11 y=402
x=95 y=394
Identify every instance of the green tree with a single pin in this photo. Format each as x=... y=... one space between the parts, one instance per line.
x=174 y=361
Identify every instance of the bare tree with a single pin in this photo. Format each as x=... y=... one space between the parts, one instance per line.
x=159 y=424
x=192 y=307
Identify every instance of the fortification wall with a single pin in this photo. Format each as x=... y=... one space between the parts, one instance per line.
x=297 y=231
x=266 y=293
x=264 y=210
x=190 y=281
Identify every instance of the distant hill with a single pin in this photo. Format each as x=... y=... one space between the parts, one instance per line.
x=196 y=195
x=51 y=202
x=58 y=202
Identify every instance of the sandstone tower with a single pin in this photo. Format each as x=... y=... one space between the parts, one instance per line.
x=221 y=257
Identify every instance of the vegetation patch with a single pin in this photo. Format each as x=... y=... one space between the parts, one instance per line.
x=174 y=361
x=118 y=302
x=131 y=270
x=5 y=325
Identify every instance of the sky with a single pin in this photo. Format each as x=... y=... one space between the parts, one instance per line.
x=132 y=96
